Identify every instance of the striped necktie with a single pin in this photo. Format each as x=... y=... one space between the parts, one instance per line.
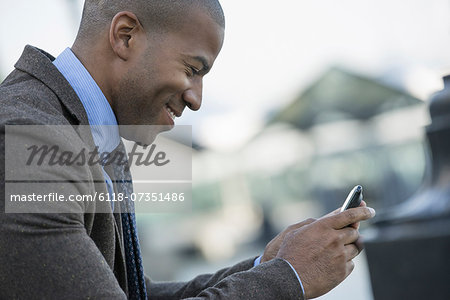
x=135 y=270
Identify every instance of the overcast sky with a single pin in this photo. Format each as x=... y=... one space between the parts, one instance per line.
x=272 y=50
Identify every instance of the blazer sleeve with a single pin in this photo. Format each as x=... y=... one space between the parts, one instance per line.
x=270 y=280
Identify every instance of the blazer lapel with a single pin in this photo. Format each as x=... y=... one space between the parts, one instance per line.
x=39 y=64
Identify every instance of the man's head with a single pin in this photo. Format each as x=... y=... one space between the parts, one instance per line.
x=160 y=15
x=149 y=56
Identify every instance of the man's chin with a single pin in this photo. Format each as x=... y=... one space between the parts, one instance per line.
x=142 y=134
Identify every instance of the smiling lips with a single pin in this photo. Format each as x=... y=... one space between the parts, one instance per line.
x=172 y=114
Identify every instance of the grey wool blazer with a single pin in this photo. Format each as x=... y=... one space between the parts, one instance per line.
x=79 y=255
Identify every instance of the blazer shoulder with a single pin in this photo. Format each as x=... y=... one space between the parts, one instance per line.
x=36 y=88
x=25 y=98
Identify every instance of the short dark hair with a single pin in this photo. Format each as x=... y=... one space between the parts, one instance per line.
x=160 y=15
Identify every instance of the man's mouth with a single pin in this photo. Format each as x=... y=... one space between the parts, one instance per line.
x=171 y=112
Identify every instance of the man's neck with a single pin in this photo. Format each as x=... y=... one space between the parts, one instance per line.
x=93 y=59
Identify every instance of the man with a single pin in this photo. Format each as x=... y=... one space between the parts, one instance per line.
x=135 y=62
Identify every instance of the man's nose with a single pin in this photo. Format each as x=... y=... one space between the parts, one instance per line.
x=193 y=95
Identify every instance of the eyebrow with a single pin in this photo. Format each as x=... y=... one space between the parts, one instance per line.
x=203 y=61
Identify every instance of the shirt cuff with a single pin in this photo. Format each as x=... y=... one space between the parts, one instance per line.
x=296 y=274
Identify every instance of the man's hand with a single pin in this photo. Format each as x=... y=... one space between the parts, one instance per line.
x=321 y=251
x=273 y=246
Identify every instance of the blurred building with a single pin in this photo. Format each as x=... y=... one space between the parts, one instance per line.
x=362 y=132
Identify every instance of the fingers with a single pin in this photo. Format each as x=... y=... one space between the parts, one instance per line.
x=356 y=225
x=351 y=251
x=338 y=210
x=359 y=244
x=306 y=222
x=349 y=235
x=350 y=216
x=349 y=267
x=300 y=224
x=334 y=212
x=273 y=246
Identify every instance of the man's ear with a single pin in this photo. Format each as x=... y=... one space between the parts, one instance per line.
x=124 y=32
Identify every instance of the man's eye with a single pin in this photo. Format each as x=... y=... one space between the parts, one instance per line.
x=194 y=71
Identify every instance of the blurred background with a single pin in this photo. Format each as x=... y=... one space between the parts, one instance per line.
x=307 y=99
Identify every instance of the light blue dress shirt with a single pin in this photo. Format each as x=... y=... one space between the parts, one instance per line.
x=99 y=112
x=106 y=136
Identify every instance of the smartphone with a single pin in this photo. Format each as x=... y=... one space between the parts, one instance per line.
x=354 y=198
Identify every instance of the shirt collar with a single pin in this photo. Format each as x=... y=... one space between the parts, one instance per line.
x=99 y=112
